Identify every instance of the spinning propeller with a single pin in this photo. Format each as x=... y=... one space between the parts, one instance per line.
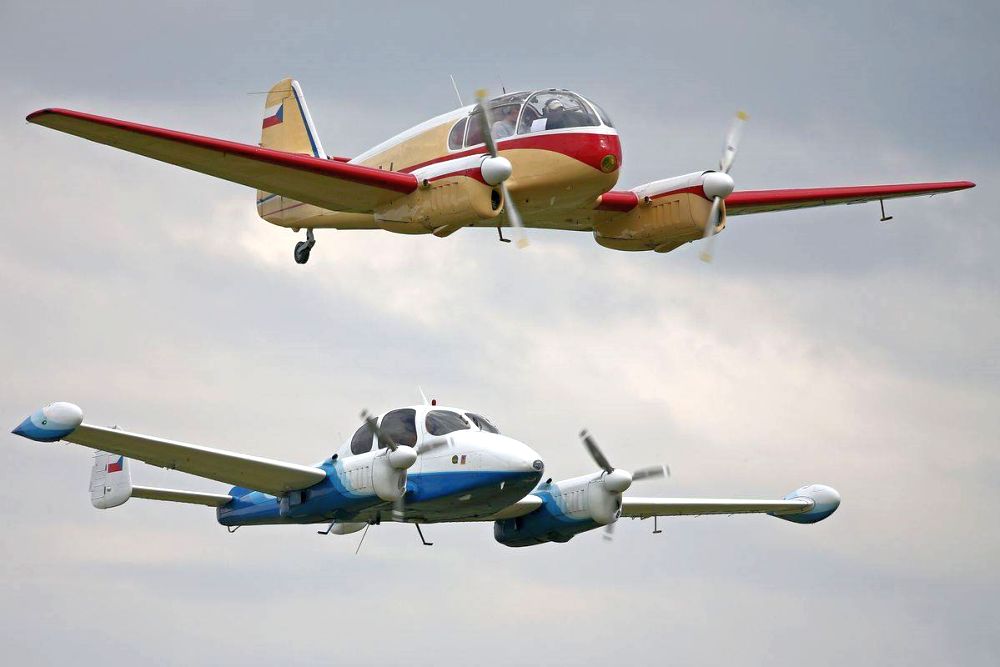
x=616 y=480
x=719 y=184
x=400 y=457
x=496 y=170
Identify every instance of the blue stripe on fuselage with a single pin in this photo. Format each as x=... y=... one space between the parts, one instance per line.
x=330 y=499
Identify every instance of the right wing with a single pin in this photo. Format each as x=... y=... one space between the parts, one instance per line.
x=647 y=507
x=63 y=421
x=330 y=184
x=762 y=201
x=807 y=504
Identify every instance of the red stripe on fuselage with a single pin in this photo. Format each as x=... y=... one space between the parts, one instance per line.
x=587 y=147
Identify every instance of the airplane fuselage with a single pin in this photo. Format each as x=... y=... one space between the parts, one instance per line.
x=476 y=475
x=556 y=172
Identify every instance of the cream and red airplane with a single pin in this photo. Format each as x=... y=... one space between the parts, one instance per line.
x=544 y=159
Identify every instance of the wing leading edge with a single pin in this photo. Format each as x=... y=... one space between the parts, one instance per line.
x=761 y=201
x=330 y=184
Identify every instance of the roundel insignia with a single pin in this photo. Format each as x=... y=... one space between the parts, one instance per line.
x=609 y=163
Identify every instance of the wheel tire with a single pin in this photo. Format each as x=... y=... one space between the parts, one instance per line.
x=302 y=249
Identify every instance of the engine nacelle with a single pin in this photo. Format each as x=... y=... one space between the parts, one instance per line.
x=568 y=508
x=670 y=213
x=444 y=205
x=389 y=476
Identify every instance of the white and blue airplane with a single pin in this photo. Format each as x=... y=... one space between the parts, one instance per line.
x=421 y=464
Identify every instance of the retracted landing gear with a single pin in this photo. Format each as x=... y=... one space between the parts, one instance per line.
x=303 y=248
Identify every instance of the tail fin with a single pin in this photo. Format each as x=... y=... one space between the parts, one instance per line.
x=110 y=481
x=287 y=125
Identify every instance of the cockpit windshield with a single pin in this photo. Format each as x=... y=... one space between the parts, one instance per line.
x=482 y=423
x=523 y=113
x=443 y=422
x=555 y=110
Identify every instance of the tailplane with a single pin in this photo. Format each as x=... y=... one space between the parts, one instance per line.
x=111 y=486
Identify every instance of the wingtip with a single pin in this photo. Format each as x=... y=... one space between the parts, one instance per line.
x=35 y=114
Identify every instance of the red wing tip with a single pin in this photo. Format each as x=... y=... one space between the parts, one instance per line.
x=35 y=115
x=965 y=185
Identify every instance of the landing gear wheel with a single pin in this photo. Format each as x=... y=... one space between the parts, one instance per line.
x=303 y=248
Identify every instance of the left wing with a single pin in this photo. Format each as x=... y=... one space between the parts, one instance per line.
x=760 y=201
x=329 y=184
x=63 y=421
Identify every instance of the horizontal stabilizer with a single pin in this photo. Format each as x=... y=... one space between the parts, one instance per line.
x=170 y=495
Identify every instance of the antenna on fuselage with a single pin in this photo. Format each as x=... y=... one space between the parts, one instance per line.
x=457 y=94
x=423 y=395
x=502 y=87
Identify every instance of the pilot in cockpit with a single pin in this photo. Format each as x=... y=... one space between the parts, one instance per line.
x=555 y=114
x=506 y=126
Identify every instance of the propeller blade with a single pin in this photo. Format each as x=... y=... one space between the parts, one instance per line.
x=710 y=225
x=651 y=472
x=609 y=532
x=595 y=452
x=383 y=438
x=485 y=126
x=732 y=142
x=514 y=217
x=431 y=445
x=399 y=508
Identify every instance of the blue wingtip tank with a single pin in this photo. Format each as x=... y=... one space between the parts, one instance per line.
x=50 y=424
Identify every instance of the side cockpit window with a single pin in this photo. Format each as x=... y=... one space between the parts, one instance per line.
x=503 y=114
x=443 y=422
x=457 y=135
x=482 y=423
x=401 y=426
x=362 y=440
x=555 y=110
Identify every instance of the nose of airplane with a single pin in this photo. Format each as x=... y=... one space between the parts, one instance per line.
x=515 y=456
x=502 y=453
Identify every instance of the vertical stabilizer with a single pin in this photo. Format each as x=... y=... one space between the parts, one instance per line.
x=287 y=125
x=110 y=482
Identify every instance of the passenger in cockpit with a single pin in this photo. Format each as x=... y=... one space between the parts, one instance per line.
x=506 y=125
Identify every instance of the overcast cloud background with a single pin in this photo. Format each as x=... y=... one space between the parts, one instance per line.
x=821 y=346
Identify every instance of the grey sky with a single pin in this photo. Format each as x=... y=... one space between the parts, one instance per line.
x=821 y=346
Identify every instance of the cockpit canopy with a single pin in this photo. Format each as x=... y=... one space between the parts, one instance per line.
x=407 y=426
x=527 y=113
